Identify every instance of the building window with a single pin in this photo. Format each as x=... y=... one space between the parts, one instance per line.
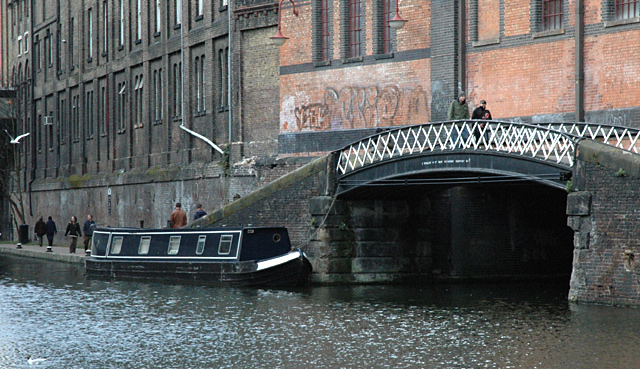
x=223 y=78
x=19 y=45
x=138 y=20
x=72 y=38
x=103 y=111
x=203 y=83
x=49 y=125
x=177 y=90
x=26 y=42
x=63 y=121
x=122 y=107
x=321 y=31
x=200 y=83
x=200 y=7
x=105 y=27
x=626 y=9
x=137 y=101
x=121 y=23
x=158 y=20
x=39 y=134
x=551 y=15
x=196 y=81
x=158 y=101
x=355 y=28
x=75 y=118
x=89 y=117
x=178 y=12
x=90 y=21
x=387 y=14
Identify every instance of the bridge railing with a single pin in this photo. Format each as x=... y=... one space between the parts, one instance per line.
x=622 y=137
x=535 y=141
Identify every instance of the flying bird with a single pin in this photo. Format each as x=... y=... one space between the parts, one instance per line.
x=35 y=361
x=17 y=139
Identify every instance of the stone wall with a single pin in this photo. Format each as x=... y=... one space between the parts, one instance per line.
x=603 y=214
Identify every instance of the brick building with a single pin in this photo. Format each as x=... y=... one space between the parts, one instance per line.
x=104 y=97
x=532 y=60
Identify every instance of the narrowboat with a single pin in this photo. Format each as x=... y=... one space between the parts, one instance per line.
x=236 y=256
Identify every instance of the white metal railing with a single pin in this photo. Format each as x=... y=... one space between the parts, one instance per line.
x=548 y=143
x=622 y=137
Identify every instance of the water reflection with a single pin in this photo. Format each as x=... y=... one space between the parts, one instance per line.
x=51 y=310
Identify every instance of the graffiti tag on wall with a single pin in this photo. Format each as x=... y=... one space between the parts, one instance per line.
x=360 y=107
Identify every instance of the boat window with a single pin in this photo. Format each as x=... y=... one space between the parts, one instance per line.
x=116 y=245
x=225 y=244
x=143 y=248
x=174 y=245
x=200 y=247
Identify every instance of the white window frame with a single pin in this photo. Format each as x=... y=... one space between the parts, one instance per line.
x=174 y=245
x=178 y=11
x=121 y=22
x=105 y=31
x=158 y=15
x=116 y=245
x=145 y=243
x=26 y=42
x=139 y=20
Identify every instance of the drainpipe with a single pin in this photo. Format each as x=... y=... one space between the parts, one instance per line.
x=579 y=90
x=462 y=17
x=34 y=124
x=182 y=125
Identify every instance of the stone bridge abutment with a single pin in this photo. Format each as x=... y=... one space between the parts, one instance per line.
x=417 y=234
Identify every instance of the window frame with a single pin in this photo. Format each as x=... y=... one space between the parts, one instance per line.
x=147 y=245
x=552 y=19
x=115 y=248
x=172 y=248
x=621 y=4
x=226 y=240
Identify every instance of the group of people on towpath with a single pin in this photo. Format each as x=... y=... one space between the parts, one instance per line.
x=73 y=231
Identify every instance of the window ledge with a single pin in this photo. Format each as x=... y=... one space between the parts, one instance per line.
x=490 y=41
x=177 y=26
x=357 y=59
x=89 y=59
x=621 y=22
x=222 y=8
x=383 y=56
x=121 y=47
x=138 y=41
x=325 y=63
x=199 y=17
x=157 y=34
x=553 y=32
x=105 y=54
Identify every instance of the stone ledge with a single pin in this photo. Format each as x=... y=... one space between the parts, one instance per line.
x=609 y=157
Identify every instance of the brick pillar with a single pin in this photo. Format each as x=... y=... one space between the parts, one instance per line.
x=444 y=57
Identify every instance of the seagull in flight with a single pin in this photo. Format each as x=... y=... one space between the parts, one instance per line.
x=17 y=139
x=35 y=361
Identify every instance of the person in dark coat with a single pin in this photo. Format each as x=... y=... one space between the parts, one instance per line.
x=73 y=230
x=481 y=112
x=459 y=110
x=199 y=212
x=51 y=230
x=87 y=228
x=40 y=229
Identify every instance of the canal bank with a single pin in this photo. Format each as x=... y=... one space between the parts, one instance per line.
x=59 y=253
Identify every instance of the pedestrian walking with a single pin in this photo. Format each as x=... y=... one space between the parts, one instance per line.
x=51 y=230
x=87 y=228
x=178 y=217
x=199 y=212
x=459 y=110
x=73 y=230
x=41 y=230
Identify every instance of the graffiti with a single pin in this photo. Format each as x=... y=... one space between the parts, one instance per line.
x=616 y=120
x=312 y=117
x=440 y=100
x=357 y=107
x=417 y=99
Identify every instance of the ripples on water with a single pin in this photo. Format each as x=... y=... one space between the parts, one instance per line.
x=51 y=310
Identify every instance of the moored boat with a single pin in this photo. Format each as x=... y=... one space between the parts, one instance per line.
x=241 y=256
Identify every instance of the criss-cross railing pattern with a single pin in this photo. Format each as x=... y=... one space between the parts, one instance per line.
x=622 y=137
x=535 y=141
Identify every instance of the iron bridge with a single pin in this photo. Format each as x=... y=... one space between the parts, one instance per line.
x=481 y=151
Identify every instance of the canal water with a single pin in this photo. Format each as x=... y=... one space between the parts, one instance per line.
x=51 y=310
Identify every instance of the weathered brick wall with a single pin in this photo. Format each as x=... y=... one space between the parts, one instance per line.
x=603 y=214
x=604 y=217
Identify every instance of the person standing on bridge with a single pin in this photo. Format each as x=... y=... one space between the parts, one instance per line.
x=482 y=113
x=459 y=110
x=199 y=212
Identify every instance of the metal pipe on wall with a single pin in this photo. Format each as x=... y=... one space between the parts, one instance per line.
x=462 y=72
x=579 y=63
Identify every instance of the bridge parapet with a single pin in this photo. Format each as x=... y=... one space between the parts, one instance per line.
x=546 y=143
x=625 y=138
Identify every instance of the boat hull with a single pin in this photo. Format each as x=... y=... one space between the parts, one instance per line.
x=289 y=270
